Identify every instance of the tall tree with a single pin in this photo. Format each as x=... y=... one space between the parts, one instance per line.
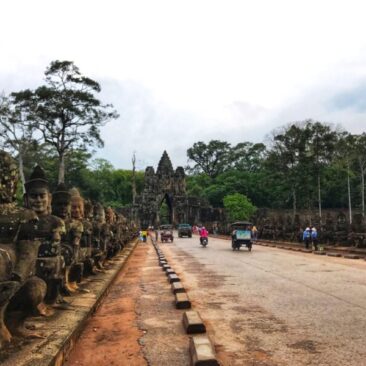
x=287 y=159
x=345 y=154
x=17 y=130
x=360 y=152
x=133 y=178
x=247 y=156
x=321 y=145
x=211 y=158
x=67 y=111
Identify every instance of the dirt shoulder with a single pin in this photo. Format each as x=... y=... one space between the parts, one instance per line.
x=111 y=335
x=137 y=323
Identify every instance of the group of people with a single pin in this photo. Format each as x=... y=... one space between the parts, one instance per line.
x=48 y=246
x=310 y=237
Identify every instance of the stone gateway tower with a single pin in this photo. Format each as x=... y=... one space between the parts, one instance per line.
x=168 y=186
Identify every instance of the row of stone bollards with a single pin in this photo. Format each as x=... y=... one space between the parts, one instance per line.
x=200 y=348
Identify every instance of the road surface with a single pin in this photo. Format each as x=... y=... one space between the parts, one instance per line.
x=275 y=307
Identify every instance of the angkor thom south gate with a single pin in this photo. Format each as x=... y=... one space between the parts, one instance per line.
x=169 y=186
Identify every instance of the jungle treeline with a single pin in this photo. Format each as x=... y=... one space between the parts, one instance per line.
x=302 y=165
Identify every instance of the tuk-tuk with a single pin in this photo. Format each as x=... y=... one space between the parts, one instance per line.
x=241 y=234
x=166 y=233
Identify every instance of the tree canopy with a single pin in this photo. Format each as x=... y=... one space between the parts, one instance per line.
x=303 y=165
x=66 y=110
x=238 y=207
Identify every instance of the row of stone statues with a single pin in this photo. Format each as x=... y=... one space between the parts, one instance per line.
x=48 y=246
x=334 y=228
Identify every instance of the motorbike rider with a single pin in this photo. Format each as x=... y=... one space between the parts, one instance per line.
x=203 y=234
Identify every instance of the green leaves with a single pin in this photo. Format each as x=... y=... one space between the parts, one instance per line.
x=211 y=159
x=66 y=110
x=238 y=207
x=304 y=165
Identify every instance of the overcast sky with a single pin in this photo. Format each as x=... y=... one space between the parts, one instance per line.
x=179 y=72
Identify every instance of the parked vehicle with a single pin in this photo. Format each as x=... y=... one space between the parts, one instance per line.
x=241 y=234
x=166 y=233
x=184 y=230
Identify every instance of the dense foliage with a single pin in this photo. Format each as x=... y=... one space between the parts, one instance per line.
x=238 y=207
x=307 y=164
x=64 y=112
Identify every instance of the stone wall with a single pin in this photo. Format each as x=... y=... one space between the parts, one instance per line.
x=333 y=228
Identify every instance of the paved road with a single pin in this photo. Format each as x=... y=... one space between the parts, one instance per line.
x=275 y=307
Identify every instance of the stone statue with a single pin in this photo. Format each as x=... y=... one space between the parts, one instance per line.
x=341 y=232
x=75 y=232
x=100 y=242
x=50 y=264
x=87 y=239
x=111 y=222
x=357 y=235
x=21 y=293
x=61 y=207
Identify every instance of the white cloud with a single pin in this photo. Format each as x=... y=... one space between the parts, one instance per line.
x=179 y=72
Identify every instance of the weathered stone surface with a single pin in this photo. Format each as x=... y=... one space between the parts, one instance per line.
x=202 y=352
x=165 y=267
x=62 y=330
x=319 y=252
x=173 y=278
x=306 y=250
x=334 y=254
x=169 y=271
x=177 y=287
x=193 y=323
x=169 y=185
x=351 y=256
x=182 y=301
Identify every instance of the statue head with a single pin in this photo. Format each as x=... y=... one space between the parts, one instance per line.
x=341 y=219
x=38 y=197
x=8 y=178
x=99 y=213
x=61 y=202
x=88 y=209
x=110 y=216
x=77 y=204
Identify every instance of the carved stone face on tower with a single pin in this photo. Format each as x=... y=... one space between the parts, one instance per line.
x=165 y=166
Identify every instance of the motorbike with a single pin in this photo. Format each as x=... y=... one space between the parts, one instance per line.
x=204 y=241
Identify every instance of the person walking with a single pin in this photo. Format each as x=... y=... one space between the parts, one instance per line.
x=254 y=233
x=144 y=235
x=306 y=237
x=314 y=238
